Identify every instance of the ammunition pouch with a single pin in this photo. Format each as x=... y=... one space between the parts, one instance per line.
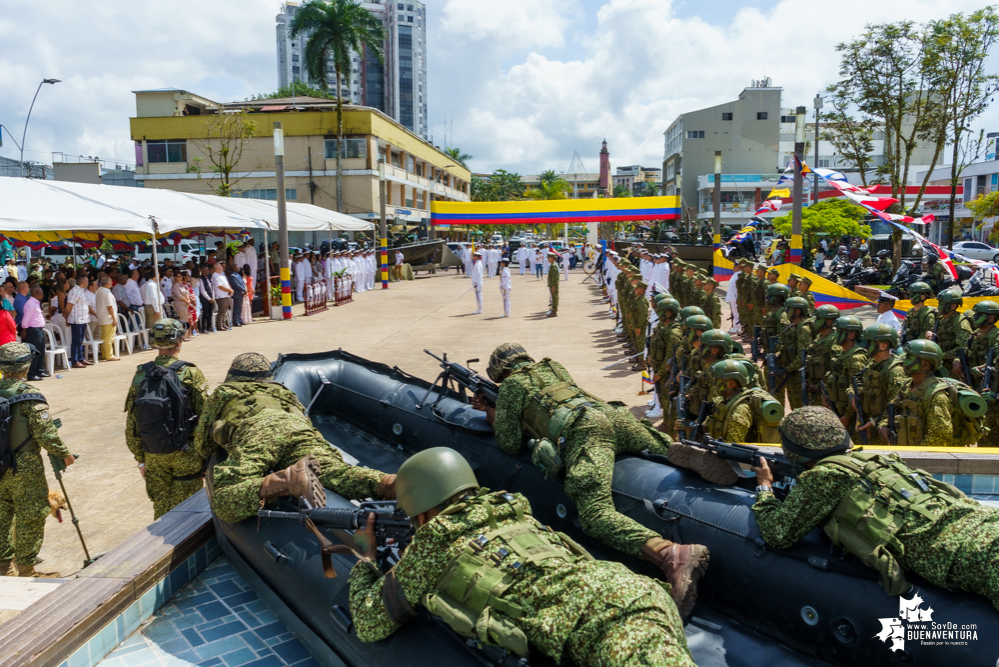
x=547 y=455
x=554 y=405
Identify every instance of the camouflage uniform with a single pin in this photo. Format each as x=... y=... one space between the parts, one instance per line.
x=794 y=339
x=808 y=296
x=978 y=350
x=24 y=491
x=819 y=361
x=741 y=290
x=170 y=478
x=918 y=323
x=774 y=324
x=640 y=322
x=595 y=613
x=938 y=426
x=958 y=549
x=844 y=366
x=760 y=300
x=952 y=335
x=880 y=384
x=597 y=435
x=265 y=440
x=938 y=274
x=553 y=281
x=711 y=305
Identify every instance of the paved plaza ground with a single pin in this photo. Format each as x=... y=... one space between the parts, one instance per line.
x=391 y=326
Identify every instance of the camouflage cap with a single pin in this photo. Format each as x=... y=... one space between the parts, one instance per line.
x=711 y=281
x=249 y=367
x=15 y=358
x=794 y=276
x=806 y=280
x=641 y=284
x=503 y=358
x=166 y=333
x=761 y=267
x=813 y=432
x=774 y=271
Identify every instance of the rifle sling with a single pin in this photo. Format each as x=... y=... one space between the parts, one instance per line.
x=327 y=548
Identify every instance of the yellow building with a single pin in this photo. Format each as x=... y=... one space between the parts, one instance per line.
x=171 y=131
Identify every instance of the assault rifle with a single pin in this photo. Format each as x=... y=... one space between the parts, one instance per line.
x=681 y=394
x=806 y=399
x=730 y=451
x=987 y=380
x=462 y=376
x=825 y=394
x=757 y=343
x=860 y=411
x=772 y=368
x=707 y=407
x=962 y=355
x=892 y=433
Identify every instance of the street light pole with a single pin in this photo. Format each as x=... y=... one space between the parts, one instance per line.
x=716 y=237
x=282 y=222
x=383 y=230
x=799 y=156
x=817 y=103
x=28 y=119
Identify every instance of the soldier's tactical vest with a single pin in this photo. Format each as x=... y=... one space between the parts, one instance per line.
x=553 y=405
x=862 y=523
x=819 y=362
x=251 y=399
x=966 y=411
x=921 y=322
x=841 y=379
x=469 y=595
x=767 y=414
x=875 y=384
x=19 y=438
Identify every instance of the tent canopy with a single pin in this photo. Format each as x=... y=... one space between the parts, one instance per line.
x=48 y=206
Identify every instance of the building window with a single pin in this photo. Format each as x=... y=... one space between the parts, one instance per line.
x=295 y=69
x=761 y=115
x=726 y=116
x=294 y=57
x=419 y=199
x=400 y=6
x=167 y=150
x=409 y=8
x=409 y=19
x=787 y=119
x=353 y=148
x=269 y=193
x=397 y=160
x=410 y=164
x=695 y=134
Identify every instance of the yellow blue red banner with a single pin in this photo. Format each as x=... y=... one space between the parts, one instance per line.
x=554 y=211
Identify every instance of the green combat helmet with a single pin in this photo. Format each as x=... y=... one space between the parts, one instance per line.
x=428 y=478
x=15 y=358
x=797 y=302
x=696 y=323
x=690 y=311
x=845 y=324
x=166 y=333
x=881 y=332
x=827 y=312
x=731 y=369
x=249 y=367
x=949 y=300
x=919 y=349
x=984 y=309
x=671 y=305
x=812 y=432
x=717 y=338
x=503 y=358
x=777 y=291
x=920 y=291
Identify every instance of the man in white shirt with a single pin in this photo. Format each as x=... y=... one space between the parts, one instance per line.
x=522 y=261
x=78 y=318
x=166 y=285
x=886 y=302
x=240 y=257
x=251 y=257
x=565 y=262
x=22 y=271
x=302 y=272
x=152 y=300
x=506 y=285
x=222 y=291
x=731 y=297
x=538 y=261
x=477 y=281
x=397 y=269
x=92 y=288
x=132 y=290
x=107 y=319
x=466 y=259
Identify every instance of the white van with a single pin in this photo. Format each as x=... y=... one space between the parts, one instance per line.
x=188 y=249
x=58 y=255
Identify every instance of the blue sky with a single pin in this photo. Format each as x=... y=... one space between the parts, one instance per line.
x=526 y=82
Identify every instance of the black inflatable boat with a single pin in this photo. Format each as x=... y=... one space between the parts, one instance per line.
x=808 y=605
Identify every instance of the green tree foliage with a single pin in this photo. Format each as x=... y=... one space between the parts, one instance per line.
x=985 y=206
x=621 y=191
x=502 y=185
x=833 y=217
x=548 y=176
x=296 y=89
x=224 y=137
x=459 y=157
x=557 y=189
x=335 y=28
x=851 y=137
x=649 y=190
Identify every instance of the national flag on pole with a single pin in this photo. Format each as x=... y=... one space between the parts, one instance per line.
x=646 y=379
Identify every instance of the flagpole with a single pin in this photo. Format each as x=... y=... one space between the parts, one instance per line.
x=796 y=193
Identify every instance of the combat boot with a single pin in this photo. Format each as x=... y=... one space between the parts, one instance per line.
x=683 y=565
x=300 y=479
x=29 y=571
x=704 y=463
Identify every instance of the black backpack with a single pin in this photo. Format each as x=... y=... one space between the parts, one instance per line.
x=163 y=409
x=7 y=450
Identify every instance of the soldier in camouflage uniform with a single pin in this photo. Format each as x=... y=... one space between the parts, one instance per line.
x=640 y=321
x=710 y=303
x=690 y=293
x=985 y=338
x=823 y=349
x=794 y=339
x=273 y=449
x=953 y=328
x=775 y=322
x=884 y=267
x=561 y=603
x=663 y=368
x=920 y=319
x=759 y=310
x=170 y=478
x=851 y=360
x=697 y=392
x=931 y=422
x=541 y=399
x=792 y=284
x=882 y=379
x=938 y=534
x=24 y=504
x=744 y=291
x=938 y=274
x=805 y=292
x=553 y=281
x=735 y=418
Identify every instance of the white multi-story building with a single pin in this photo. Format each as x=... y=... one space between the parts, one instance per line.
x=397 y=86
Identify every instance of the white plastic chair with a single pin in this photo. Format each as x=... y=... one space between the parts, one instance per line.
x=138 y=319
x=52 y=351
x=90 y=343
x=132 y=338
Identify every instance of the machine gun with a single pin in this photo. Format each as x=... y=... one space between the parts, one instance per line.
x=393 y=528
x=892 y=432
x=805 y=398
x=987 y=380
x=757 y=343
x=962 y=355
x=860 y=411
x=729 y=451
x=825 y=394
x=462 y=376
x=707 y=407
x=681 y=394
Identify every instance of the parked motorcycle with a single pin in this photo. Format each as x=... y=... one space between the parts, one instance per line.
x=976 y=286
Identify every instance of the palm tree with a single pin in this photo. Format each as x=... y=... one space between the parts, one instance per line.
x=456 y=155
x=335 y=29
x=649 y=190
x=556 y=189
x=548 y=176
x=621 y=191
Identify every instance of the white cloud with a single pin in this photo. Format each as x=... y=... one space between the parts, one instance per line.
x=508 y=25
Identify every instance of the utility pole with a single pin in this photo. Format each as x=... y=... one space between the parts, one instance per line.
x=817 y=103
x=282 y=222
x=383 y=231
x=796 y=193
x=312 y=186
x=716 y=237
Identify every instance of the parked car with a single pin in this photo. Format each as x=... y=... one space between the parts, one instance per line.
x=977 y=250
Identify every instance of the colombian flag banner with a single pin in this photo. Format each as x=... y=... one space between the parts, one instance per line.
x=723 y=267
x=902 y=306
x=554 y=211
x=825 y=291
